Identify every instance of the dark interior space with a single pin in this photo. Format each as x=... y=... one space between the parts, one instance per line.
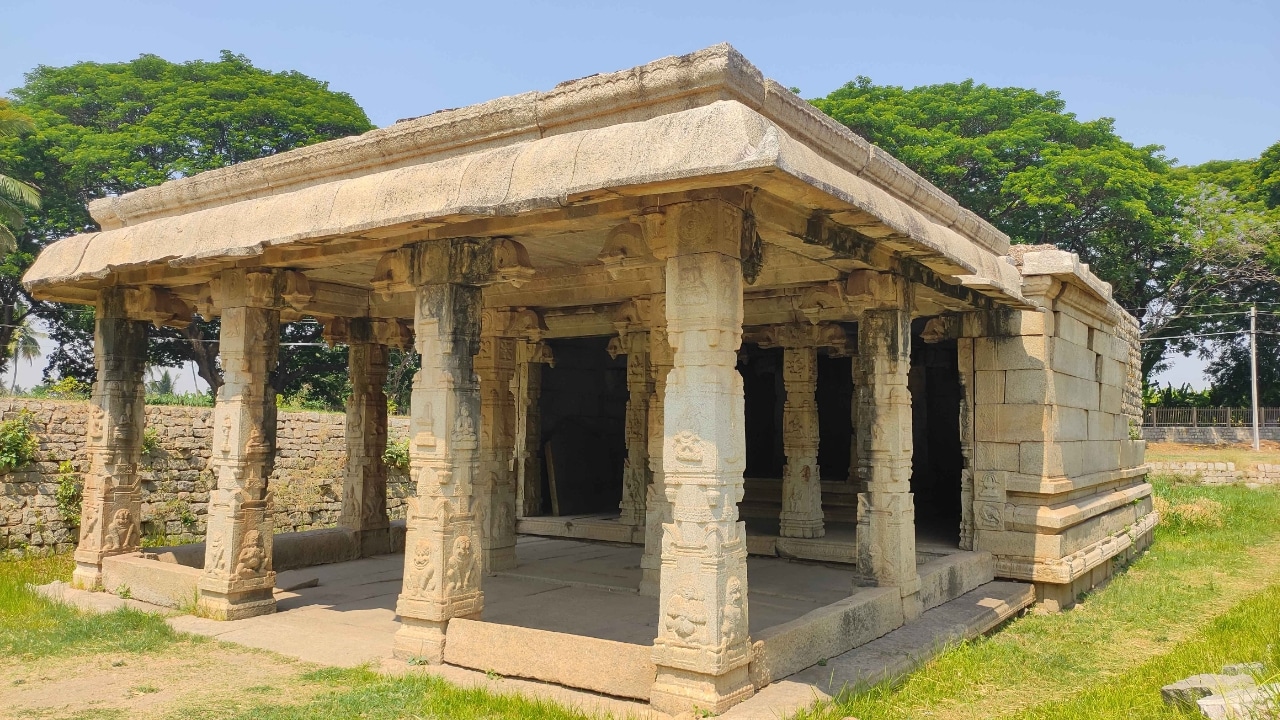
x=935 y=416
x=584 y=405
x=762 y=384
x=835 y=421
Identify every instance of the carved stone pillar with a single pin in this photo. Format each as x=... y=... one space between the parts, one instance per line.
x=886 y=514
x=531 y=355
x=442 y=543
x=633 y=339
x=657 y=509
x=112 y=502
x=238 y=578
x=364 y=487
x=702 y=649
x=801 y=481
x=496 y=492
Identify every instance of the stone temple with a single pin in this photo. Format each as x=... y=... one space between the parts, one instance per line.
x=673 y=311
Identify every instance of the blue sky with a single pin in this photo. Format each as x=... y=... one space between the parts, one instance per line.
x=1200 y=78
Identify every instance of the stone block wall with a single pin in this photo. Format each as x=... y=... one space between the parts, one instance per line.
x=307 y=481
x=1058 y=483
x=1219 y=473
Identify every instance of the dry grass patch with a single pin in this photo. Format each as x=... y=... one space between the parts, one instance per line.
x=1241 y=454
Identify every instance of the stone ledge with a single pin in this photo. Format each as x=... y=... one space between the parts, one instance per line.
x=1035 y=518
x=1066 y=570
x=947 y=578
x=1034 y=485
x=150 y=580
x=603 y=666
x=824 y=633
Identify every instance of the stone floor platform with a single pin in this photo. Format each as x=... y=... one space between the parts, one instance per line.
x=570 y=605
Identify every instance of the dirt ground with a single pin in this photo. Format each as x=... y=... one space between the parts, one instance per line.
x=211 y=677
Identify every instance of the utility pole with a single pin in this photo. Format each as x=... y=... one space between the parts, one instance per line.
x=1253 y=370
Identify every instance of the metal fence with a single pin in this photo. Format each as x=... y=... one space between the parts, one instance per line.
x=1209 y=417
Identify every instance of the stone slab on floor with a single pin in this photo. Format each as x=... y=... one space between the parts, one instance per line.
x=605 y=666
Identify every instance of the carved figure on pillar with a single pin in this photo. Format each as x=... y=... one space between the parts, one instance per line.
x=364 y=488
x=702 y=649
x=238 y=578
x=112 y=500
x=886 y=516
x=441 y=532
x=496 y=493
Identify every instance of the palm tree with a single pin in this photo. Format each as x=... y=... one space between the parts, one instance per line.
x=24 y=345
x=162 y=384
x=15 y=196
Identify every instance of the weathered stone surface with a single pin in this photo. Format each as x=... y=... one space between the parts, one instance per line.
x=604 y=666
x=1242 y=704
x=824 y=633
x=150 y=581
x=1186 y=692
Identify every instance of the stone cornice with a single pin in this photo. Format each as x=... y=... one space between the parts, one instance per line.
x=667 y=85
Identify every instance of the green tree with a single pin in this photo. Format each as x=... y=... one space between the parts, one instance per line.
x=1164 y=240
x=16 y=197
x=109 y=128
x=24 y=345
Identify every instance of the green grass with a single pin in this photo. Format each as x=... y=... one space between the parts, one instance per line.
x=33 y=627
x=369 y=695
x=1148 y=627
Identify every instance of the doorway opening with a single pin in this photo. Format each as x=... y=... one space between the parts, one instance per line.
x=584 y=406
x=937 y=460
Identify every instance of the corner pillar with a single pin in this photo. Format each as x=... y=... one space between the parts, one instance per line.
x=364 y=487
x=702 y=648
x=442 y=542
x=496 y=492
x=110 y=515
x=238 y=578
x=886 y=543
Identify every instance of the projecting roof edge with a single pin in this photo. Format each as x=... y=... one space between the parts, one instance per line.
x=664 y=86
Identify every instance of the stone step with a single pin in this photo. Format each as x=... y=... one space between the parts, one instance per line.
x=902 y=650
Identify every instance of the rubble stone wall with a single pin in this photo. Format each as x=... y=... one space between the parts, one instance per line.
x=1219 y=473
x=1225 y=435
x=306 y=483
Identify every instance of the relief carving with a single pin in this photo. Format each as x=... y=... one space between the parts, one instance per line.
x=252 y=559
x=122 y=534
x=461 y=570
x=422 y=574
x=686 y=615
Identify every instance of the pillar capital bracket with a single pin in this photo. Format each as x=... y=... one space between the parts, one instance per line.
x=156 y=305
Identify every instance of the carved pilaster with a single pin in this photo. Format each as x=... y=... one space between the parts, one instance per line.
x=496 y=491
x=633 y=339
x=112 y=501
x=364 y=488
x=442 y=542
x=238 y=577
x=657 y=508
x=886 y=515
x=531 y=355
x=702 y=649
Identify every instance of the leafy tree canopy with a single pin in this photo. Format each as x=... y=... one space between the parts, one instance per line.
x=1166 y=238
x=104 y=129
